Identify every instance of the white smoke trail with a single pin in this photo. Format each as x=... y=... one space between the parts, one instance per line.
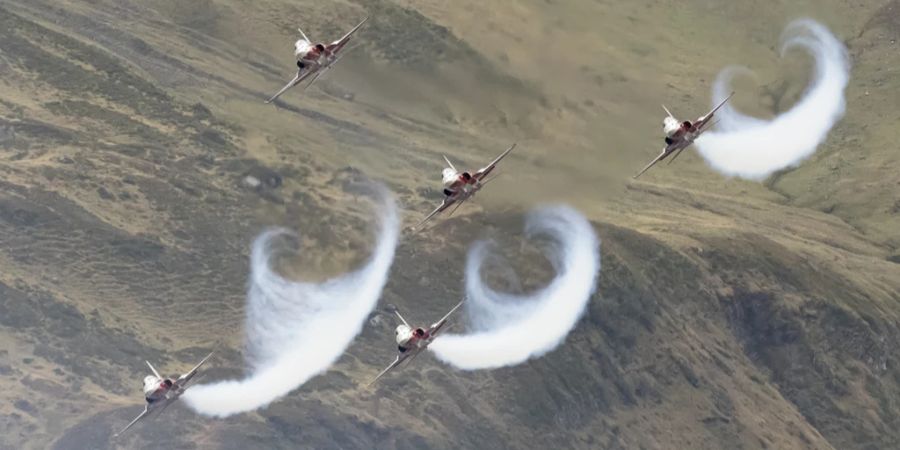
x=296 y=330
x=510 y=329
x=753 y=148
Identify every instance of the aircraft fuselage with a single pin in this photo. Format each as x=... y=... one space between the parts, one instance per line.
x=156 y=388
x=410 y=338
x=453 y=181
x=682 y=133
x=306 y=52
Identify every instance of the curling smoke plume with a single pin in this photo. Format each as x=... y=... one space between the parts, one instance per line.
x=296 y=330
x=753 y=148
x=510 y=329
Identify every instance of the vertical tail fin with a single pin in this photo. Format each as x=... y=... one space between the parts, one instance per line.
x=304 y=35
x=154 y=370
x=667 y=112
x=449 y=164
x=401 y=318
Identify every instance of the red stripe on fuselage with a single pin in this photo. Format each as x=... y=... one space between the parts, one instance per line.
x=462 y=179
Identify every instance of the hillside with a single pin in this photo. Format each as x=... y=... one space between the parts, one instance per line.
x=730 y=314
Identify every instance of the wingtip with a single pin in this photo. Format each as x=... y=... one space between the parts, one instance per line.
x=417 y=227
x=375 y=380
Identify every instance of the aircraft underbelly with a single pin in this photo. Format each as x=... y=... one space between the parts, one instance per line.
x=156 y=395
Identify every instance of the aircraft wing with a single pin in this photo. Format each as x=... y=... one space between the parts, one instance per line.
x=337 y=45
x=677 y=152
x=443 y=207
x=400 y=358
x=139 y=417
x=301 y=75
x=701 y=122
x=186 y=378
x=436 y=327
x=166 y=403
x=665 y=152
x=484 y=171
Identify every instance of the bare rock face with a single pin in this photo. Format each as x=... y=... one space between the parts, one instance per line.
x=261 y=178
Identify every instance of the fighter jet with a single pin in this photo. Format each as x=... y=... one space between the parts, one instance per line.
x=315 y=58
x=411 y=341
x=160 y=392
x=460 y=186
x=680 y=135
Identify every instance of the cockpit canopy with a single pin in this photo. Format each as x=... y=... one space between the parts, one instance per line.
x=402 y=330
x=301 y=47
x=670 y=125
x=404 y=333
x=448 y=176
x=151 y=383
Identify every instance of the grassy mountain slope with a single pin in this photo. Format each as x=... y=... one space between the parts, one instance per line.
x=729 y=315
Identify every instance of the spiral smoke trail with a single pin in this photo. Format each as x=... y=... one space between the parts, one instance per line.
x=296 y=330
x=753 y=148
x=510 y=329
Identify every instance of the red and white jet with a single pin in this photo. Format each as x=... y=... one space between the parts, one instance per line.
x=680 y=135
x=315 y=58
x=411 y=341
x=460 y=186
x=160 y=392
